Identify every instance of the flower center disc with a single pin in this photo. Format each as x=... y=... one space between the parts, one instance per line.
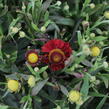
x=32 y=58
x=56 y=56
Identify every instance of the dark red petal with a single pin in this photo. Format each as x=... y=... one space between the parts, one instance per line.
x=56 y=67
x=58 y=43
x=48 y=46
x=67 y=49
x=53 y=44
x=32 y=64
x=31 y=51
x=44 y=59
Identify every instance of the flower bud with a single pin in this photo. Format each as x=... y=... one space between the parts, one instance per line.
x=92 y=5
x=58 y=3
x=86 y=50
x=45 y=75
x=31 y=81
x=43 y=29
x=36 y=69
x=66 y=7
x=105 y=64
x=85 y=23
x=92 y=35
x=14 y=29
x=21 y=34
x=106 y=14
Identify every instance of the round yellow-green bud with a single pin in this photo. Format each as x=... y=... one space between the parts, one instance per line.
x=13 y=85
x=14 y=29
x=92 y=5
x=92 y=79
x=45 y=75
x=97 y=82
x=86 y=50
x=31 y=81
x=43 y=29
x=85 y=23
x=105 y=64
x=95 y=51
x=74 y=96
x=66 y=7
x=36 y=69
x=58 y=3
x=21 y=34
x=92 y=35
x=106 y=14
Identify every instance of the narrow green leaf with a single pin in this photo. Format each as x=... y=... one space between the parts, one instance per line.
x=64 y=90
x=85 y=86
x=38 y=87
x=100 y=105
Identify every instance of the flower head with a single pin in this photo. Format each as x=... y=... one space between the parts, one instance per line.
x=95 y=51
x=13 y=85
x=57 y=52
x=32 y=57
x=74 y=96
x=31 y=81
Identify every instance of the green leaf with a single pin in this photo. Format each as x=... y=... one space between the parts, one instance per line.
x=99 y=38
x=46 y=5
x=35 y=27
x=63 y=21
x=94 y=94
x=32 y=71
x=43 y=69
x=64 y=90
x=100 y=105
x=85 y=86
x=38 y=87
x=3 y=107
x=79 y=37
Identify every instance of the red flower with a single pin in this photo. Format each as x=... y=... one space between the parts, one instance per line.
x=32 y=57
x=57 y=52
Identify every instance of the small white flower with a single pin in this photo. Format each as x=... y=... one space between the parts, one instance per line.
x=21 y=34
x=105 y=64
